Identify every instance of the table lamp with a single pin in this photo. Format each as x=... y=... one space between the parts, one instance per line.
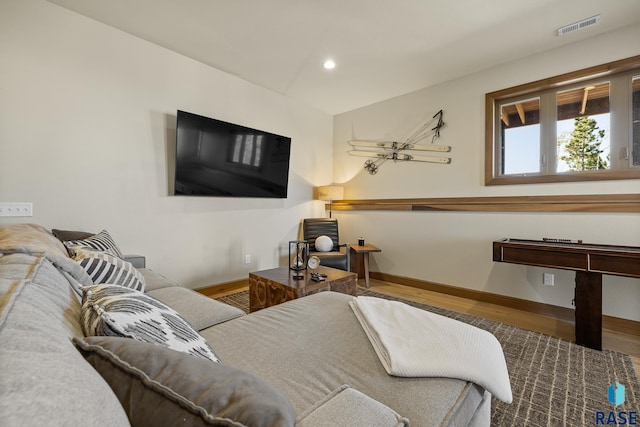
x=330 y=193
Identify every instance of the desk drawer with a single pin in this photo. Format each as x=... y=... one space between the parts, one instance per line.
x=545 y=258
x=615 y=264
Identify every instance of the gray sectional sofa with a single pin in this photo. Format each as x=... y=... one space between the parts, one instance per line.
x=306 y=362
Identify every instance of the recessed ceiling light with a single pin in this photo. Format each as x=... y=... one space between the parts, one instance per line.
x=329 y=64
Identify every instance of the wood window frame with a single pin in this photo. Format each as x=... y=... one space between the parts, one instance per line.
x=533 y=88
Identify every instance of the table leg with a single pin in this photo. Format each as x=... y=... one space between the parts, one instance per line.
x=366 y=269
x=589 y=309
x=360 y=265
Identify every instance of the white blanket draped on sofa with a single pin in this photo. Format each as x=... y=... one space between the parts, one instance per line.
x=416 y=343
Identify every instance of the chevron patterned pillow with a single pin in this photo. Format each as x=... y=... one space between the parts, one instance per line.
x=103 y=267
x=112 y=310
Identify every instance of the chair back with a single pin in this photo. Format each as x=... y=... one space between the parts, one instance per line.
x=312 y=228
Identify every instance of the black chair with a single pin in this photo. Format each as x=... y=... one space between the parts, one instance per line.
x=312 y=228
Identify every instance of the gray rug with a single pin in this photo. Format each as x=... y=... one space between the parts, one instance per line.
x=554 y=382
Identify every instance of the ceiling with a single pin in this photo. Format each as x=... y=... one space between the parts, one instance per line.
x=382 y=48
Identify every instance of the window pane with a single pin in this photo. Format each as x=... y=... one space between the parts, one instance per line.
x=636 y=120
x=583 y=129
x=520 y=123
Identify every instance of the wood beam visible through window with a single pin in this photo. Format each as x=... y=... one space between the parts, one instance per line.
x=520 y=111
x=584 y=98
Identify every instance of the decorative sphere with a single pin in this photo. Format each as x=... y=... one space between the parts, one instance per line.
x=324 y=244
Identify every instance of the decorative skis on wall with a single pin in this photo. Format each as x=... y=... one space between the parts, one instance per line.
x=403 y=151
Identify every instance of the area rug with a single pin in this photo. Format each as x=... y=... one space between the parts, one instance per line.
x=554 y=382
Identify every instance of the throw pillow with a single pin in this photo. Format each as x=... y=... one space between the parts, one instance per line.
x=103 y=267
x=324 y=244
x=101 y=241
x=159 y=386
x=113 y=310
x=64 y=235
x=30 y=238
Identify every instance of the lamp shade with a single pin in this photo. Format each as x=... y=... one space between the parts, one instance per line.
x=330 y=192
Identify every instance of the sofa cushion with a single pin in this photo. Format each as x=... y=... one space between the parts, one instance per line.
x=318 y=342
x=346 y=406
x=138 y=261
x=101 y=241
x=104 y=267
x=159 y=386
x=112 y=310
x=30 y=238
x=154 y=280
x=199 y=310
x=44 y=380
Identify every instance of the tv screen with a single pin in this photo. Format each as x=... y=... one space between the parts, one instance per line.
x=216 y=158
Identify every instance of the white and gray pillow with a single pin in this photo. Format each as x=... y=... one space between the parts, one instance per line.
x=104 y=267
x=101 y=242
x=113 y=310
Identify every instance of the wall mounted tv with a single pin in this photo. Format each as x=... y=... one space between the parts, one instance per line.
x=220 y=159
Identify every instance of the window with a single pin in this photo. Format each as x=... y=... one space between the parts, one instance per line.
x=579 y=126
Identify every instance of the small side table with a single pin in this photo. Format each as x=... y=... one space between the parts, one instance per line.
x=360 y=260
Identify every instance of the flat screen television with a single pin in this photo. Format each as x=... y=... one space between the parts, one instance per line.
x=220 y=159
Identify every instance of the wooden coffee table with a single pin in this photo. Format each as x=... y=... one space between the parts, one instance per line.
x=275 y=286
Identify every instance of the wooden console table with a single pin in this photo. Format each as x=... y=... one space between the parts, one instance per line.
x=589 y=261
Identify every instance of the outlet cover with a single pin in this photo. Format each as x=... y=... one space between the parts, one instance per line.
x=16 y=209
x=548 y=279
x=247 y=259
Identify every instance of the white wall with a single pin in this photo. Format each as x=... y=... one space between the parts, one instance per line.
x=87 y=130
x=455 y=248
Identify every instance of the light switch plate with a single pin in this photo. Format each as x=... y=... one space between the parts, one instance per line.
x=16 y=209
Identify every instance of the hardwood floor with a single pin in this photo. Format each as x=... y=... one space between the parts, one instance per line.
x=611 y=340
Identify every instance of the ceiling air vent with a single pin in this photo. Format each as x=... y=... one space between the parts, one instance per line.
x=579 y=25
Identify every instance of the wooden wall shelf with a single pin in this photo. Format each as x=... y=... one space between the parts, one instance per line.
x=570 y=203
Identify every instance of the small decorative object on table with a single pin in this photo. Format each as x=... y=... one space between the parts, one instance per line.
x=360 y=241
x=298 y=256
x=314 y=263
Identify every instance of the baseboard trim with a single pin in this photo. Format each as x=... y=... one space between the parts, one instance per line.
x=223 y=287
x=562 y=313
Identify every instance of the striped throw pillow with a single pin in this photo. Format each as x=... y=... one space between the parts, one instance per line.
x=101 y=242
x=103 y=267
x=111 y=310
